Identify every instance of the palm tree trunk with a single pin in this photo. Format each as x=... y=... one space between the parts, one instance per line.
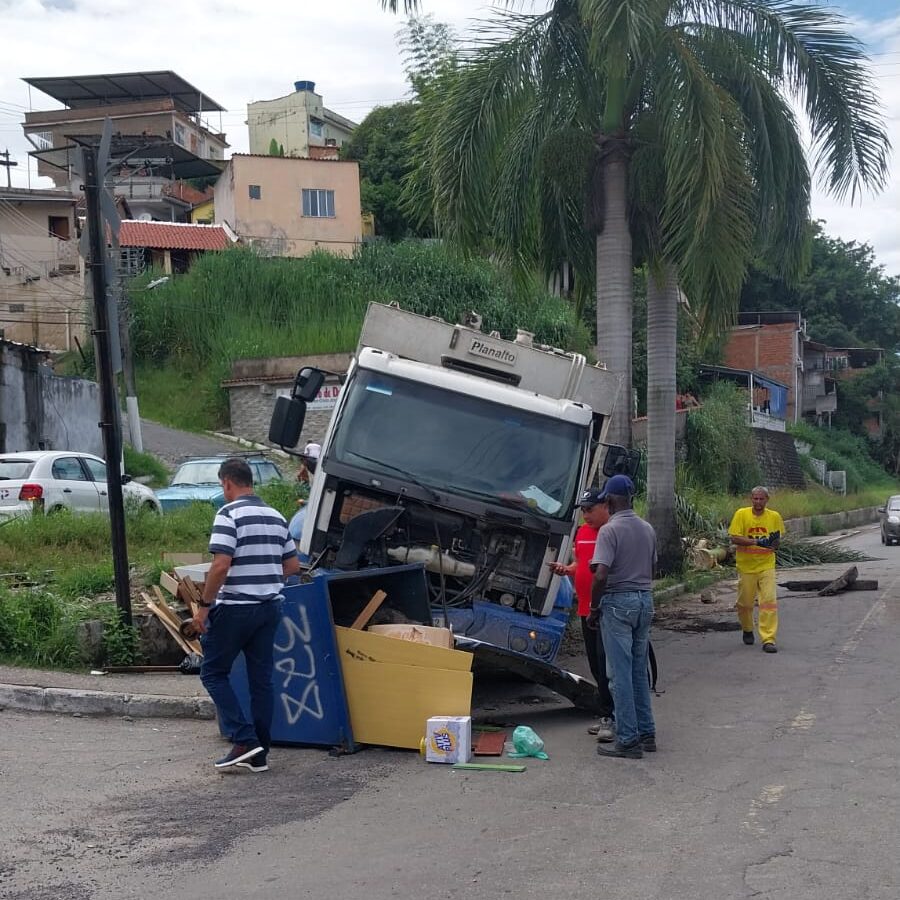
x=662 y=331
x=615 y=289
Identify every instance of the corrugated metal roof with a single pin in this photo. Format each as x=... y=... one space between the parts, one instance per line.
x=172 y=235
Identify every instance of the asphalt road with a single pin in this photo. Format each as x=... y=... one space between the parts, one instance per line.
x=173 y=446
x=776 y=778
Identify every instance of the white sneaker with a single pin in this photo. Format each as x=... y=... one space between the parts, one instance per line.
x=604 y=730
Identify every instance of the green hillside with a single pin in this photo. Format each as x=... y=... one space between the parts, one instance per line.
x=237 y=304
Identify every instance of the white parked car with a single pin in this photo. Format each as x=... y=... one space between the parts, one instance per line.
x=53 y=480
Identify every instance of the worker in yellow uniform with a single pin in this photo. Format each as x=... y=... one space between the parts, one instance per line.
x=756 y=532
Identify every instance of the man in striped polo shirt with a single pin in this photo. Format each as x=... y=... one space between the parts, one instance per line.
x=252 y=556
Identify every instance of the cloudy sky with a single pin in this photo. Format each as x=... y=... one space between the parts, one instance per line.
x=237 y=51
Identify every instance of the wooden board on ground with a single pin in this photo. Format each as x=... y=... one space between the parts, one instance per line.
x=166 y=623
x=169 y=582
x=369 y=610
x=175 y=620
x=840 y=584
x=488 y=743
x=818 y=584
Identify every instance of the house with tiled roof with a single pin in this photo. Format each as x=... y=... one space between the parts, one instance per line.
x=170 y=246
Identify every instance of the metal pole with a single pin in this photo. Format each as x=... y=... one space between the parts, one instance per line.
x=111 y=423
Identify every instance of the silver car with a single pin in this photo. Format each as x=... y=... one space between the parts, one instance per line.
x=889 y=514
x=54 y=480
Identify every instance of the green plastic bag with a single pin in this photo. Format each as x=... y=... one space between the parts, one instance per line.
x=527 y=743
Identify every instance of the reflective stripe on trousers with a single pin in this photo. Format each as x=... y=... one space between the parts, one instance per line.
x=753 y=586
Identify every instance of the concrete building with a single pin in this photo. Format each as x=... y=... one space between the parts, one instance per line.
x=289 y=207
x=255 y=384
x=43 y=411
x=296 y=123
x=41 y=275
x=775 y=344
x=770 y=343
x=158 y=126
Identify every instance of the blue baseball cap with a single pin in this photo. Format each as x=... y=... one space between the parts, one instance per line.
x=591 y=497
x=617 y=486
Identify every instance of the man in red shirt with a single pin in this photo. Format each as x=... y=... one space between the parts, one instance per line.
x=596 y=515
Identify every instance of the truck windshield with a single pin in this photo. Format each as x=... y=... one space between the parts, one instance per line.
x=460 y=443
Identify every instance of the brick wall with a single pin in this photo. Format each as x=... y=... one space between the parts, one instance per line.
x=251 y=410
x=768 y=349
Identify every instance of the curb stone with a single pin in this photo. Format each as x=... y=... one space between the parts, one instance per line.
x=103 y=703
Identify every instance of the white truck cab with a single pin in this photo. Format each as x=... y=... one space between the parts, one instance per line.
x=467 y=453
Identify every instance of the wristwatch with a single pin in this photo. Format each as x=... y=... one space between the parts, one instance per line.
x=204 y=605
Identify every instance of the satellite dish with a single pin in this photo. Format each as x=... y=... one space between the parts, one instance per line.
x=145 y=217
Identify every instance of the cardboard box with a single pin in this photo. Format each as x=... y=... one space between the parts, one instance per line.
x=419 y=634
x=448 y=739
x=393 y=687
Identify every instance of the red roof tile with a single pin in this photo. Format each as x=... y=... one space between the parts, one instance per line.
x=172 y=236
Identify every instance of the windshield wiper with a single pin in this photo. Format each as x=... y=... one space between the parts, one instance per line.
x=409 y=475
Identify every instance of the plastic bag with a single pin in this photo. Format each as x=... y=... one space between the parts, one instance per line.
x=527 y=743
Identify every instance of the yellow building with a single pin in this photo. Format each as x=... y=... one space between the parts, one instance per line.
x=296 y=122
x=291 y=207
x=204 y=213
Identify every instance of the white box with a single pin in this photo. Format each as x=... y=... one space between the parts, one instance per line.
x=448 y=739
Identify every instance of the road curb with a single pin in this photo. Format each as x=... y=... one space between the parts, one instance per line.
x=103 y=703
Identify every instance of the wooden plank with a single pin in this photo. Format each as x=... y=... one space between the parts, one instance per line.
x=861 y=584
x=192 y=592
x=167 y=624
x=840 y=584
x=368 y=611
x=176 y=621
x=489 y=743
x=489 y=767
x=163 y=604
x=169 y=582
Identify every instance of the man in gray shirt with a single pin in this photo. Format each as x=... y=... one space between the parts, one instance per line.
x=623 y=564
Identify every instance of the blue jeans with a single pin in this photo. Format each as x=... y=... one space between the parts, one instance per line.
x=626 y=618
x=248 y=629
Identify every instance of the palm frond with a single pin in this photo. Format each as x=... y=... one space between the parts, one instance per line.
x=775 y=152
x=806 y=49
x=409 y=6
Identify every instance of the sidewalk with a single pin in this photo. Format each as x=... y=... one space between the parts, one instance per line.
x=146 y=696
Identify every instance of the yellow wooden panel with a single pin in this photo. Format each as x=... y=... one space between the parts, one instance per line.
x=365 y=645
x=390 y=704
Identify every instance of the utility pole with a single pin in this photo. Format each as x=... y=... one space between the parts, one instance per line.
x=6 y=161
x=111 y=423
x=131 y=402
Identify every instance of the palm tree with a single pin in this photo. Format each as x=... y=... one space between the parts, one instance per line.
x=410 y=7
x=605 y=132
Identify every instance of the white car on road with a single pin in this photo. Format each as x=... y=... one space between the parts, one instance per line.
x=55 y=480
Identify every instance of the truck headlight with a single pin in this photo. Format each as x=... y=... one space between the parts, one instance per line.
x=894 y=520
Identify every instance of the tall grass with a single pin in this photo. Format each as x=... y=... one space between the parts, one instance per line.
x=721 y=454
x=236 y=304
x=77 y=548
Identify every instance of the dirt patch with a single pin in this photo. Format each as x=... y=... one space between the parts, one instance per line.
x=712 y=609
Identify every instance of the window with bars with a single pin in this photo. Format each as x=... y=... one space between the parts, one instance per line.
x=318 y=203
x=255 y=191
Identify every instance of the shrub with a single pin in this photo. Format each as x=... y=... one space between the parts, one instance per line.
x=720 y=450
x=139 y=465
x=842 y=450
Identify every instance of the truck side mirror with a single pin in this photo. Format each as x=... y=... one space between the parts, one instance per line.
x=287 y=421
x=621 y=461
x=307 y=384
